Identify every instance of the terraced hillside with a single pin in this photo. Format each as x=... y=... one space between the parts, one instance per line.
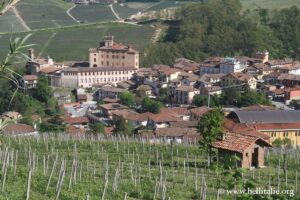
x=44 y=13
x=73 y=43
x=93 y=13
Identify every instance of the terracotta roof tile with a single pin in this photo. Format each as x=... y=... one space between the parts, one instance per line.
x=236 y=142
x=76 y=120
x=14 y=129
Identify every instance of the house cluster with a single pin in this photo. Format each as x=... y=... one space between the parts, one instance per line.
x=113 y=68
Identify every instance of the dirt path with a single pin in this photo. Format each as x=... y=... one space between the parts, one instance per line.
x=156 y=35
x=114 y=12
x=20 y=18
x=71 y=16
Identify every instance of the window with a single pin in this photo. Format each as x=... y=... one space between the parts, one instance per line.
x=123 y=57
x=285 y=134
x=107 y=56
x=107 y=63
x=95 y=59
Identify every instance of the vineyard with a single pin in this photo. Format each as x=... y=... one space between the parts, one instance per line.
x=74 y=43
x=93 y=13
x=43 y=13
x=58 y=167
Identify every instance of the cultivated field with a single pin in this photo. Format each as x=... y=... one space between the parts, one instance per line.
x=93 y=13
x=10 y=23
x=125 y=11
x=44 y=13
x=51 y=167
x=73 y=43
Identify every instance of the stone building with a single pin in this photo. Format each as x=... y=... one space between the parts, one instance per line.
x=112 y=54
x=86 y=77
x=249 y=149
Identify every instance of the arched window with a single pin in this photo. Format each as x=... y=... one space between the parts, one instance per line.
x=95 y=65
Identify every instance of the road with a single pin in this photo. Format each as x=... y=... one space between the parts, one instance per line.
x=21 y=19
x=114 y=12
x=68 y=13
x=281 y=105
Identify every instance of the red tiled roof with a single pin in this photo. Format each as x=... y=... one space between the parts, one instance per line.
x=75 y=131
x=176 y=110
x=48 y=70
x=237 y=142
x=200 y=111
x=184 y=124
x=30 y=77
x=168 y=70
x=76 y=120
x=13 y=129
x=164 y=117
x=276 y=126
x=242 y=76
x=140 y=117
x=243 y=129
x=113 y=106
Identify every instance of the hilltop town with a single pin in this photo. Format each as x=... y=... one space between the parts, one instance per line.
x=164 y=104
x=149 y=100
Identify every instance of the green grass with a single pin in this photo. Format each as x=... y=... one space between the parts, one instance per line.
x=270 y=4
x=44 y=13
x=74 y=43
x=131 y=159
x=93 y=13
x=10 y=23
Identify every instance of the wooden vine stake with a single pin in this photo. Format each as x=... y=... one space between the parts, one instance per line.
x=28 y=185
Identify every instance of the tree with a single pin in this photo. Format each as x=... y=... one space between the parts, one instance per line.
x=127 y=98
x=150 y=105
x=211 y=127
x=96 y=128
x=200 y=100
x=282 y=143
x=163 y=94
x=43 y=91
x=123 y=127
x=53 y=125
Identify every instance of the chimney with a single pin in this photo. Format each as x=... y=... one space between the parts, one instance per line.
x=31 y=54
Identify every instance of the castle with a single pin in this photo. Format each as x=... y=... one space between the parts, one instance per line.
x=109 y=63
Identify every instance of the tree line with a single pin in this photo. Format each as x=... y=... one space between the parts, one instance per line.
x=223 y=28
